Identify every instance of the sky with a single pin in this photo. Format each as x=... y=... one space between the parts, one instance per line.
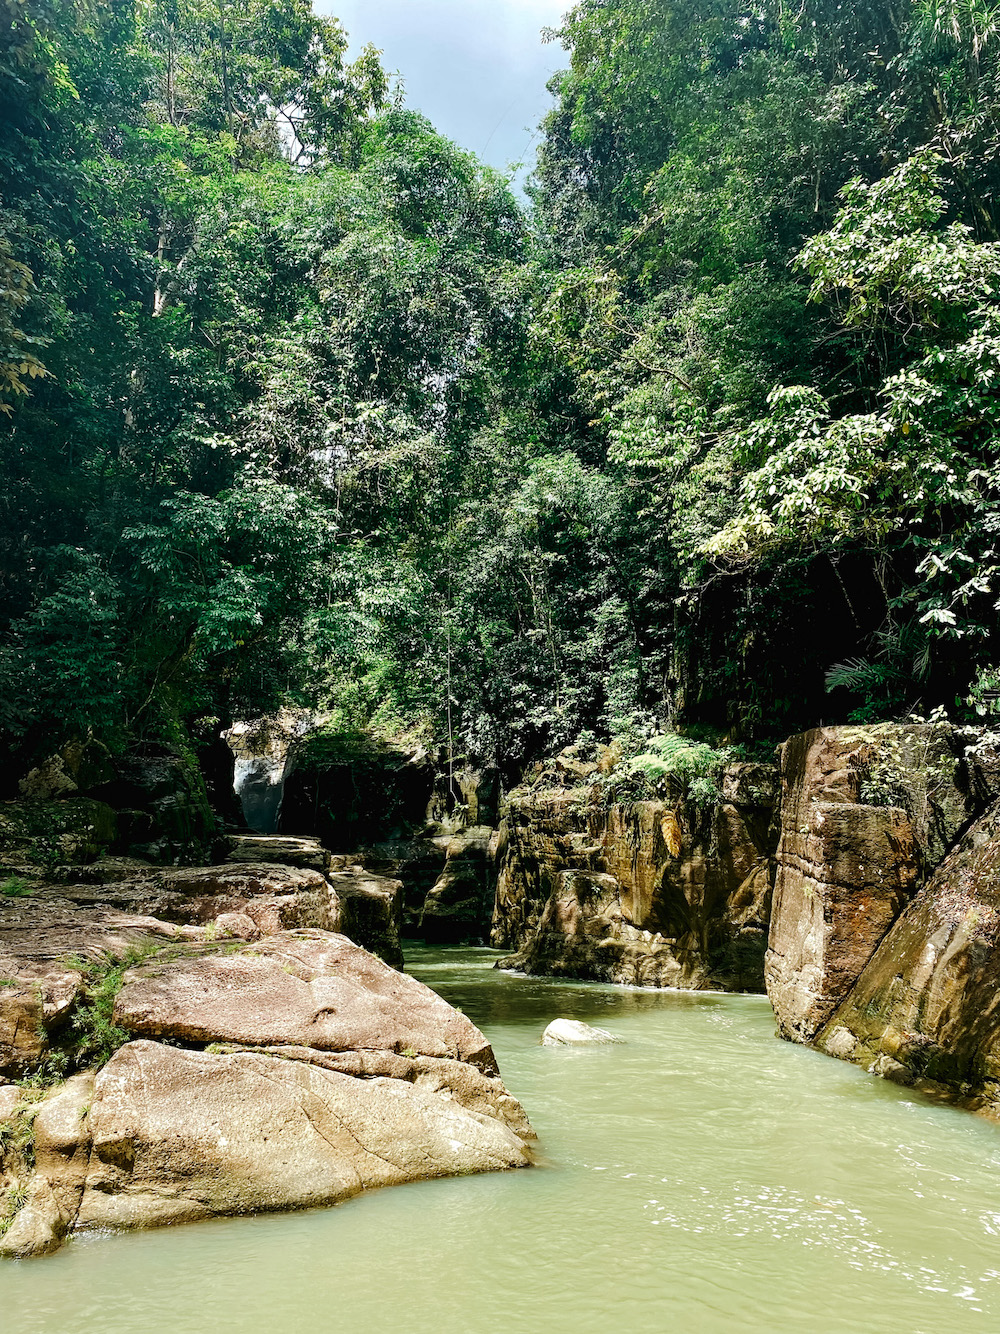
x=476 y=68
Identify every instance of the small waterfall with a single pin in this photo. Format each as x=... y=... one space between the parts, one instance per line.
x=263 y=752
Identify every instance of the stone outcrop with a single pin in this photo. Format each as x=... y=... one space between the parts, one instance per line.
x=263 y=752
x=417 y=863
x=37 y=833
x=292 y=1071
x=369 y=909
x=281 y=849
x=80 y=766
x=649 y=892
x=926 y=1007
x=866 y=814
x=459 y=905
x=463 y=799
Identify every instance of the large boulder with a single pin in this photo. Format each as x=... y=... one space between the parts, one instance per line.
x=925 y=1006
x=82 y=765
x=291 y=1072
x=369 y=909
x=866 y=812
x=179 y=1136
x=284 y=850
x=307 y=989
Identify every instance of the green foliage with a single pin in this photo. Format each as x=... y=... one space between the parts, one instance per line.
x=673 y=766
x=15 y=887
x=304 y=409
x=94 y=1035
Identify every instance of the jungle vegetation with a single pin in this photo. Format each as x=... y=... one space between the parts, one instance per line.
x=301 y=403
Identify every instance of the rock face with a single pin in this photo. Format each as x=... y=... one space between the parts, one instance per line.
x=647 y=893
x=369 y=909
x=36 y=833
x=262 y=754
x=459 y=904
x=293 y=1071
x=865 y=814
x=925 y=1007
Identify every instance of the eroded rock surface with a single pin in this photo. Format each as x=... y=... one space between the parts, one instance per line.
x=927 y=1005
x=459 y=904
x=289 y=1071
x=652 y=893
x=865 y=814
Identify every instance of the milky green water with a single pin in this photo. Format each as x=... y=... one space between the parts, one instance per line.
x=703 y=1177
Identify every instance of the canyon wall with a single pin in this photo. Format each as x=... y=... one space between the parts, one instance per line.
x=651 y=893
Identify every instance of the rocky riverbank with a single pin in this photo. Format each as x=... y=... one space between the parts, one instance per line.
x=186 y=1041
x=198 y=1042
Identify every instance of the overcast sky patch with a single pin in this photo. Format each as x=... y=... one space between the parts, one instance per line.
x=476 y=68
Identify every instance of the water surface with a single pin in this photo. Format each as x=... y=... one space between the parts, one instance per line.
x=704 y=1176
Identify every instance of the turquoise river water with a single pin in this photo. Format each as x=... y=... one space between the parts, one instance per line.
x=702 y=1177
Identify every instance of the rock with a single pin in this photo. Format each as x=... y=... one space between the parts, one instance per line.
x=327 y=1073
x=262 y=753
x=307 y=988
x=416 y=863
x=845 y=872
x=369 y=909
x=61 y=1140
x=573 y=1033
x=10 y=1097
x=163 y=810
x=279 y=849
x=45 y=833
x=80 y=766
x=23 y=1037
x=39 y=936
x=275 y=897
x=865 y=812
x=925 y=1005
x=464 y=798
x=643 y=893
x=182 y=1135
x=459 y=906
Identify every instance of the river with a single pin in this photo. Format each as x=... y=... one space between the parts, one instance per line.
x=703 y=1176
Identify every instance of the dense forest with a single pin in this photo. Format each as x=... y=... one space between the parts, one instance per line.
x=302 y=404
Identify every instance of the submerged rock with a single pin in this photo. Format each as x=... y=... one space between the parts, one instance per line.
x=573 y=1033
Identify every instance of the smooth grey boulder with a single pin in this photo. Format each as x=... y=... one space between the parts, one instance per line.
x=573 y=1033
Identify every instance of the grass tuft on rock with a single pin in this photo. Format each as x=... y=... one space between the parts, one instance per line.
x=96 y=1037
x=16 y=887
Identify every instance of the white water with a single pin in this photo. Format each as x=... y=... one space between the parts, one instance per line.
x=704 y=1177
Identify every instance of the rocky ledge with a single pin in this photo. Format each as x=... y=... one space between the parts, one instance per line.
x=224 y=1058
